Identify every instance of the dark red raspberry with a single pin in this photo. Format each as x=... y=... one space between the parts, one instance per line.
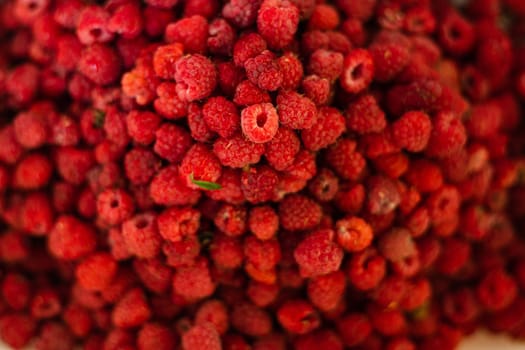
x=154 y=335
x=126 y=20
x=221 y=116
x=354 y=328
x=366 y=269
x=298 y=316
x=221 y=35
x=345 y=160
x=250 y=319
x=412 y=131
x=277 y=22
x=324 y=186
x=326 y=292
x=317 y=89
x=389 y=60
x=496 y=290
x=298 y=212
x=247 y=93
x=317 y=254
x=364 y=115
x=456 y=34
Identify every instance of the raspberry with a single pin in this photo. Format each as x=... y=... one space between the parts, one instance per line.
x=317 y=254
x=242 y=13
x=194 y=282
x=140 y=165
x=364 y=115
x=443 y=203
x=131 y=310
x=259 y=122
x=247 y=93
x=199 y=164
x=126 y=20
x=248 y=46
x=164 y=59
x=191 y=32
x=221 y=116
x=168 y=103
x=343 y=158
x=461 y=306
x=397 y=245
x=354 y=328
x=213 y=311
x=358 y=71
x=31 y=130
x=389 y=60
x=22 y=83
x=16 y=291
x=154 y=274
x=277 y=22
x=32 y=172
x=96 y=271
x=231 y=220
x=298 y=212
x=353 y=233
x=250 y=319
x=264 y=71
x=326 y=292
x=200 y=337
x=17 y=329
x=454 y=254
x=330 y=125
x=324 y=186
x=263 y=222
x=180 y=253
x=175 y=224
x=71 y=239
x=171 y=142
x=154 y=335
x=383 y=195
x=412 y=131
x=198 y=128
x=292 y=70
x=221 y=37
x=92 y=25
x=456 y=35
x=424 y=175
x=237 y=152
x=386 y=321
x=141 y=236
x=323 y=17
x=54 y=335
x=422 y=94
x=196 y=77
x=10 y=150
x=100 y=64
x=366 y=269
x=496 y=290
x=282 y=149
x=316 y=89
x=314 y=40
x=114 y=206
x=298 y=316
x=326 y=64
x=296 y=111
x=262 y=294
x=226 y=252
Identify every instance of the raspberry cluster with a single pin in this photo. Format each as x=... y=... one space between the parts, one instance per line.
x=261 y=174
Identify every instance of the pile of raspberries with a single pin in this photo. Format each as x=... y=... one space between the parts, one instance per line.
x=261 y=174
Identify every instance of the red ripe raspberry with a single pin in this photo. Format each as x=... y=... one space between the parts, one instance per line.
x=202 y=336
x=454 y=255
x=397 y=245
x=242 y=13
x=292 y=70
x=383 y=195
x=172 y=142
x=175 y=224
x=231 y=220
x=194 y=282
x=461 y=306
x=296 y=111
x=78 y=319
x=16 y=291
x=353 y=233
x=221 y=36
x=324 y=339
x=262 y=294
x=496 y=290
x=259 y=122
x=126 y=20
x=324 y=17
x=393 y=165
x=32 y=172
x=326 y=64
x=298 y=212
x=250 y=319
x=54 y=335
x=324 y=186
x=140 y=165
x=263 y=255
x=247 y=46
x=139 y=84
x=345 y=160
x=71 y=239
x=484 y=120
x=298 y=316
x=100 y=63
x=131 y=310
x=226 y=252
x=366 y=269
x=164 y=4
x=156 y=19
x=215 y=312
x=317 y=254
x=456 y=35
x=389 y=60
x=443 y=204
x=164 y=59
x=390 y=291
x=17 y=329
x=114 y=206
x=92 y=25
x=191 y=32
x=96 y=271
x=198 y=128
x=330 y=125
x=263 y=222
x=221 y=116
x=317 y=89
x=424 y=175
x=168 y=188
x=168 y=103
x=141 y=236
x=14 y=247
x=247 y=93
x=10 y=149
x=412 y=131
x=358 y=71
x=277 y=22
x=422 y=94
x=199 y=164
x=388 y=322
x=264 y=71
x=326 y=292
x=196 y=77
x=31 y=130
x=314 y=40
x=22 y=83
x=364 y=115
x=181 y=253
x=154 y=274
x=156 y=336
x=237 y=152
x=281 y=150
x=354 y=328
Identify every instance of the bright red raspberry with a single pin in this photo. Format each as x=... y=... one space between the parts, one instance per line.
x=168 y=103
x=383 y=195
x=96 y=271
x=324 y=186
x=198 y=128
x=358 y=71
x=366 y=269
x=226 y=252
x=164 y=59
x=100 y=63
x=21 y=83
x=191 y=32
x=363 y=115
x=194 y=282
x=247 y=46
x=237 y=151
x=114 y=206
x=326 y=292
x=181 y=253
x=16 y=291
x=354 y=328
x=298 y=212
x=326 y=64
x=264 y=71
x=31 y=130
x=10 y=149
x=298 y=316
x=202 y=336
x=496 y=290
x=317 y=89
x=292 y=70
x=157 y=336
x=424 y=175
x=389 y=60
x=242 y=13
x=262 y=294
x=175 y=223
x=259 y=122
x=131 y=310
x=221 y=116
x=71 y=239
x=296 y=111
x=92 y=25
x=412 y=131
x=199 y=164
x=281 y=150
x=353 y=233
x=196 y=77
x=154 y=274
x=141 y=235
x=140 y=165
x=213 y=311
x=247 y=93
x=329 y=126
x=168 y=188
x=32 y=172
x=172 y=142
x=126 y=21
x=324 y=17
x=263 y=222
x=345 y=160
x=277 y=22
x=317 y=254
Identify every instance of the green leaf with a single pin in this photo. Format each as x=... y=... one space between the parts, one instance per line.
x=98 y=118
x=206 y=185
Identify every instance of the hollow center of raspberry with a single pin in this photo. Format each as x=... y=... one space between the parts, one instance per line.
x=95 y=32
x=32 y=5
x=141 y=223
x=357 y=72
x=261 y=119
x=454 y=33
x=114 y=203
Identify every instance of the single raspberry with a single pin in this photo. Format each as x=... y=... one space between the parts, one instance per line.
x=282 y=149
x=180 y=253
x=461 y=306
x=330 y=125
x=264 y=71
x=226 y=252
x=92 y=25
x=199 y=164
x=496 y=290
x=191 y=32
x=412 y=131
x=262 y=294
x=139 y=84
x=175 y=224
x=326 y=64
x=383 y=195
x=31 y=130
x=196 y=77
x=141 y=235
x=314 y=40
x=155 y=335
x=22 y=83
x=456 y=34
x=194 y=282
x=298 y=316
x=366 y=269
x=364 y=115
x=277 y=22
x=250 y=319
x=317 y=254
x=140 y=165
x=168 y=103
x=296 y=111
x=397 y=244
x=259 y=122
x=345 y=160
x=78 y=319
x=114 y=206
x=326 y=292
x=32 y=172
x=154 y=274
x=215 y=312
x=317 y=89
x=358 y=71
x=389 y=60
x=263 y=222
x=172 y=142
x=231 y=220
x=424 y=175
x=54 y=335
x=354 y=328
x=443 y=204
x=100 y=63
x=164 y=59
x=390 y=291
x=353 y=233
x=323 y=17
x=248 y=46
x=237 y=152
x=96 y=271
x=16 y=291
x=10 y=150
x=71 y=239
x=422 y=94
x=131 y=310
x=292 y=70
x=242 y=13
x=221 y=116
x=298 y=212
x=230 y=191
x=17 y=329
x=388 y=322
x=126 y=21
x=324 y=186
x=221 y=36
x=198 y=128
